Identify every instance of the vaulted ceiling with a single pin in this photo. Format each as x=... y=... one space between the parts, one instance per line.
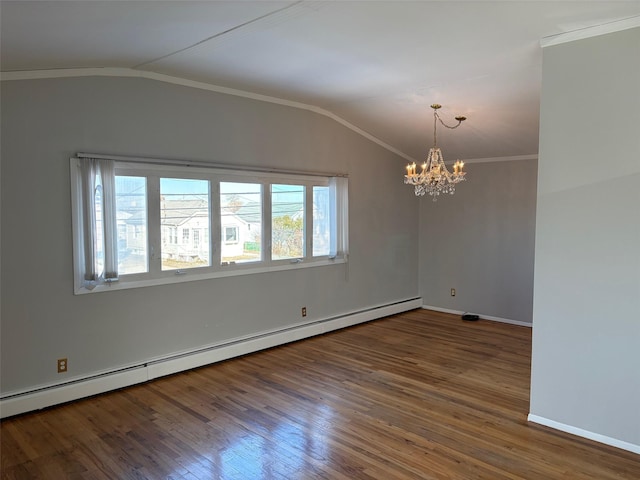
x=376 y=64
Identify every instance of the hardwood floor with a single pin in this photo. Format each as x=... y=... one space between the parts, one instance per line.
x=420 y=395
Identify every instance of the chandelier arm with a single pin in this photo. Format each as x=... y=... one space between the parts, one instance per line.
x=460 y=120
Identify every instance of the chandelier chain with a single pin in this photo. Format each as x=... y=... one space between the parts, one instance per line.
x=460 y=119
x=436 y=116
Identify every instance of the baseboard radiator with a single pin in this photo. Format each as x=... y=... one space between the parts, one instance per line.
x=49 y=395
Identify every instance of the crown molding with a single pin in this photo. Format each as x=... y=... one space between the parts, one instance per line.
x=132 y=73
x=588 y=32
x=512 y=158
x=129 y=72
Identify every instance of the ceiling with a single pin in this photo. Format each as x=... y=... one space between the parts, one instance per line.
x=378 y=65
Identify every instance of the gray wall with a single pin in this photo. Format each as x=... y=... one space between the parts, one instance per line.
x=586 y=333
x=480 y=241
x=44 y=122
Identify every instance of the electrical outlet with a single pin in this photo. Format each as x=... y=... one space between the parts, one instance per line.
x=62 y=365
x=304 y=311
x=453 y=292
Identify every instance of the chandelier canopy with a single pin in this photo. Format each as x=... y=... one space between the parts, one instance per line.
x=434 y=178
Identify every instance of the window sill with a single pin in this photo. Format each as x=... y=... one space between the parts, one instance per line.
x=195 y=275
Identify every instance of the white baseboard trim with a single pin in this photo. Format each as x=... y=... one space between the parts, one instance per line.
x=483 y=317
x=50 y=395
x=614 y=442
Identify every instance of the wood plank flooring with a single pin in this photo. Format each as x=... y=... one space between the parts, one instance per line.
x=420 y=395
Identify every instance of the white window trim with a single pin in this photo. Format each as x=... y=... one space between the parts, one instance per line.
x=128 y=166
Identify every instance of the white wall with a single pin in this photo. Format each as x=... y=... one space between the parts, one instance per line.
x=480 y=241
x=586 y=327
x=46 y=121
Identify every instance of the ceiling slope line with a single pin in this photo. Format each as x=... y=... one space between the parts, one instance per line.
x=592 y=31
x=220 y=34
x=128 y=72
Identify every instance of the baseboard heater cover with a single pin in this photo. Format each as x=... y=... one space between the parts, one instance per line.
x=48 y=396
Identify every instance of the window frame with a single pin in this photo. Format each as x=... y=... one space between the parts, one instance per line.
x=173 y=234
x=153 y=172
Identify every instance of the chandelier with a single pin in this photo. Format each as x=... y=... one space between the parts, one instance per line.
x=434 y=178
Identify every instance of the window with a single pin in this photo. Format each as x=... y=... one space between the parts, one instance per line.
x=131 y=217
x=287 y=221
x=184 y=203
x=241 y=219
x=230 y=235
x=139 y=223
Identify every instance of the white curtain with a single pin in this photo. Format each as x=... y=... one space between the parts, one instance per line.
x=88 y=182
x=109 y=221
x=339 y=214
x=91 y=170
